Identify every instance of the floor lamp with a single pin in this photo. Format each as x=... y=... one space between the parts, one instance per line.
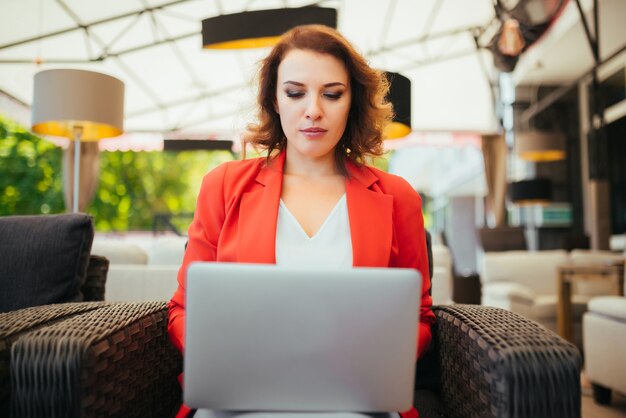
x=79 y=105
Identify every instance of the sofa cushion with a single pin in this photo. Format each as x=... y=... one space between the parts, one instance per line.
x=595 y=257
x=119 y=252
x=44 y=259
x=536 y=270
x=509 y=291
x=132 y=283
x=167 y=251
x=540 y=308
x=604 y=344
x=595 y=287
x=545 y=307
x=609 y=306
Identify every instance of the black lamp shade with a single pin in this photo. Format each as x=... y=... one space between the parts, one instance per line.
x=261 y=28
x=196 y=145
x=400 y=97
x=531 y=191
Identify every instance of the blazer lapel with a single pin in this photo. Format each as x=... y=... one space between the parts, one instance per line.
x=370 y=213
x=371 y=219
x=258 y=215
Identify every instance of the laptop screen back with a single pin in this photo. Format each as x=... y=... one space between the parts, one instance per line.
x=267 y=338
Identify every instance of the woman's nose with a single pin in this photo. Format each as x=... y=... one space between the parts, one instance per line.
x=314 y=110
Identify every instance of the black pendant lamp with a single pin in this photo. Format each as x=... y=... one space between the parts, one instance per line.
x=260 y=28
x=531 y=191
x=400 y=97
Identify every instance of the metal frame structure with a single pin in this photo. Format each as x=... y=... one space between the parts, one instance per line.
x=107 y=51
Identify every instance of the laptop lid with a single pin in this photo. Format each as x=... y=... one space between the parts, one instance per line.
x=268 y=338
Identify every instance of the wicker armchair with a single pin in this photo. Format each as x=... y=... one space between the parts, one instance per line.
x=88 y=359
x=115 y=359
x=61 y=354
x=489 y=362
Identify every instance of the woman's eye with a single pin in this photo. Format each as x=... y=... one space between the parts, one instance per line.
x=294 y=94
x=332 y=96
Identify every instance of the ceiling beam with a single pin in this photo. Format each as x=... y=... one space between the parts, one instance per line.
x=472 y=30
x=88 y=25
x=185 y=100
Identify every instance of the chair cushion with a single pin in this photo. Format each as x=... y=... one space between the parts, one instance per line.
x=595 y=287
x=167 y=251
x=119 y=252
x=595 y=256
x=44 y=259
x=536 y=270
x=545 y=307
x=610 y=306
x=509 y=291
x=604 y=344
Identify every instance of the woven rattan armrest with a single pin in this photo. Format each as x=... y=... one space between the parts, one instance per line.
x=16 y=324
x=494 y=363
x=95 y=279
x=113 y=361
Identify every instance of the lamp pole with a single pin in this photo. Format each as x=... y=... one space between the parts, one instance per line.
x=78 y=133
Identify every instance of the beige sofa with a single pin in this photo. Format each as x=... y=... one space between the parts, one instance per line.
x=144 y=268
x=604 y=341
x=141 y=268
x=442 y=275
x=525 y=282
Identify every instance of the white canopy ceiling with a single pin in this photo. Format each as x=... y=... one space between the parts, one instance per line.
x=176 y=88
x=172 y=84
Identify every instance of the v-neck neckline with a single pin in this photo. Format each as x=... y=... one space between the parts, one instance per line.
x=322 y=227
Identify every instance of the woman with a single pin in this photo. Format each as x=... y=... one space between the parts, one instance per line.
x=311 y=201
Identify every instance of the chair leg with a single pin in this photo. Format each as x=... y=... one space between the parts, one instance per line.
x=601 y=394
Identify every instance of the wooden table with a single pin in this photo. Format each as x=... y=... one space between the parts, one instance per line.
x=568 y=274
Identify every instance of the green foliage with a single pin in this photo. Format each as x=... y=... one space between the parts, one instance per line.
x=136 y=186
x=30 y=167
x=133 y=188
x=381 y=162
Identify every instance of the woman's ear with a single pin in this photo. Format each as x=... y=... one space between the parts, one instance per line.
x=275 y=103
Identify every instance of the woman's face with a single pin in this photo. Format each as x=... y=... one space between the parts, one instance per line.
x=313 y=99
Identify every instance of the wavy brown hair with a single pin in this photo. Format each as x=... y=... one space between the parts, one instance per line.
x=369 y=110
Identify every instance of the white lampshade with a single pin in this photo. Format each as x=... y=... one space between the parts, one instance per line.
x=79 y=105
x=538 y=146
x=65 y=99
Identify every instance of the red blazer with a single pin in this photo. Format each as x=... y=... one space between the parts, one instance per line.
x=236 y=215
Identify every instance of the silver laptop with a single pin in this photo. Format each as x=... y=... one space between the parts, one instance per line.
x=268 y=338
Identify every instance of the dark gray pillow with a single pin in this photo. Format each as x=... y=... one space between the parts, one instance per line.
x=43 y=259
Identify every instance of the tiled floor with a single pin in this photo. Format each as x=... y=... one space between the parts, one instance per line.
x=617 y=408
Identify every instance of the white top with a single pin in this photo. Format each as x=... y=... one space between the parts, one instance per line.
x=330 y=247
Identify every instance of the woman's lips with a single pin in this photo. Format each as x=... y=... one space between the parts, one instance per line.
x=313 y=132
